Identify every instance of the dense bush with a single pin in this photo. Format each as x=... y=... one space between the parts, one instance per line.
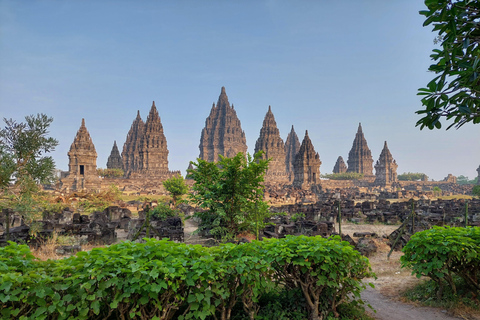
x=442 y=253
x=159 y=279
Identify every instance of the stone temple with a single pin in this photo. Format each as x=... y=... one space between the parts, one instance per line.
x=223 y=134
x=292 y=145
x=115 y=159
x=385 y=168
x=360 y=157
x=307 y=165
x=340 y=166
x=82 y=163
x=145 y=152
x=478 y=170
x=272 y=144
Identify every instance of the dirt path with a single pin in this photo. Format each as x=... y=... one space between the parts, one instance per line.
x=388 y=309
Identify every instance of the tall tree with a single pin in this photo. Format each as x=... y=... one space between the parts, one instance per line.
x=231 y=191
x=23 y=165
x=454 y=93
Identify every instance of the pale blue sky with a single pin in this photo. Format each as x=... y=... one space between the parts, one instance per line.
x=323 y=66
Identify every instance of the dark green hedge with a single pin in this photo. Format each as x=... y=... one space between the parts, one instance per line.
x=444 y=252
x=160 y=279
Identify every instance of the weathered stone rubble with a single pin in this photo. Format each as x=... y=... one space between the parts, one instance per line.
x=272 y=144
x=307 y=165
x=360 y=157
x=115 y=159
x=97 y=227
x=385 y=168
x=223 y=134
x=82 y=163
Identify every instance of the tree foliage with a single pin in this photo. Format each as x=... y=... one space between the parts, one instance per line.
x=464 y=180
x=176 y=187
x=229 y=190
x=412 y=176
x=23 y=164
x=110 y=173
x=454 y=93
x=343 y=176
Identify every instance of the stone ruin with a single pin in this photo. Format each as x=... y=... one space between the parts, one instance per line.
x=223 y=134
x=98 y=227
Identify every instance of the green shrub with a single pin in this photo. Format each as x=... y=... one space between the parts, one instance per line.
x=441 y=253
x=159 y=279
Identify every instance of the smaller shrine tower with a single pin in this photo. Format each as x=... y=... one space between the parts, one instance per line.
x=82 y=163
x=307 y=165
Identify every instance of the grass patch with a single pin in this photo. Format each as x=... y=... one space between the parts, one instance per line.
x=465 y=303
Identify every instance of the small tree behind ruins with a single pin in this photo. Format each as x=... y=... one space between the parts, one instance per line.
x=231 y=192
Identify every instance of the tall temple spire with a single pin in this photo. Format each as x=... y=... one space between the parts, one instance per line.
x=307 y=165
x=273 y=147
x=385 y=168
x=360 y=157
x=114 y=160
x=222 y=134
x=292 y=145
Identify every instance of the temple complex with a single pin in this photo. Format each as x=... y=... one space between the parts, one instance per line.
x=82 y=163
x=115 y=160
x=360 y=157
x=385 y=168
x=307 y=165
x=340 y=166
x=292 y=145
x=223 y=134
x=272 y=144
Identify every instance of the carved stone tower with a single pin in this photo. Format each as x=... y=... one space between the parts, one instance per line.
x=478 y=170
x=145 y=152
x=153 y=150
x=114 y=160
x=340 y=166
x=272 y=144
x=307 y=165
x=82 y=163
x=360 y=157
x=292 y=145
x=223 y=134
x=130 y=153
x=385 y=168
